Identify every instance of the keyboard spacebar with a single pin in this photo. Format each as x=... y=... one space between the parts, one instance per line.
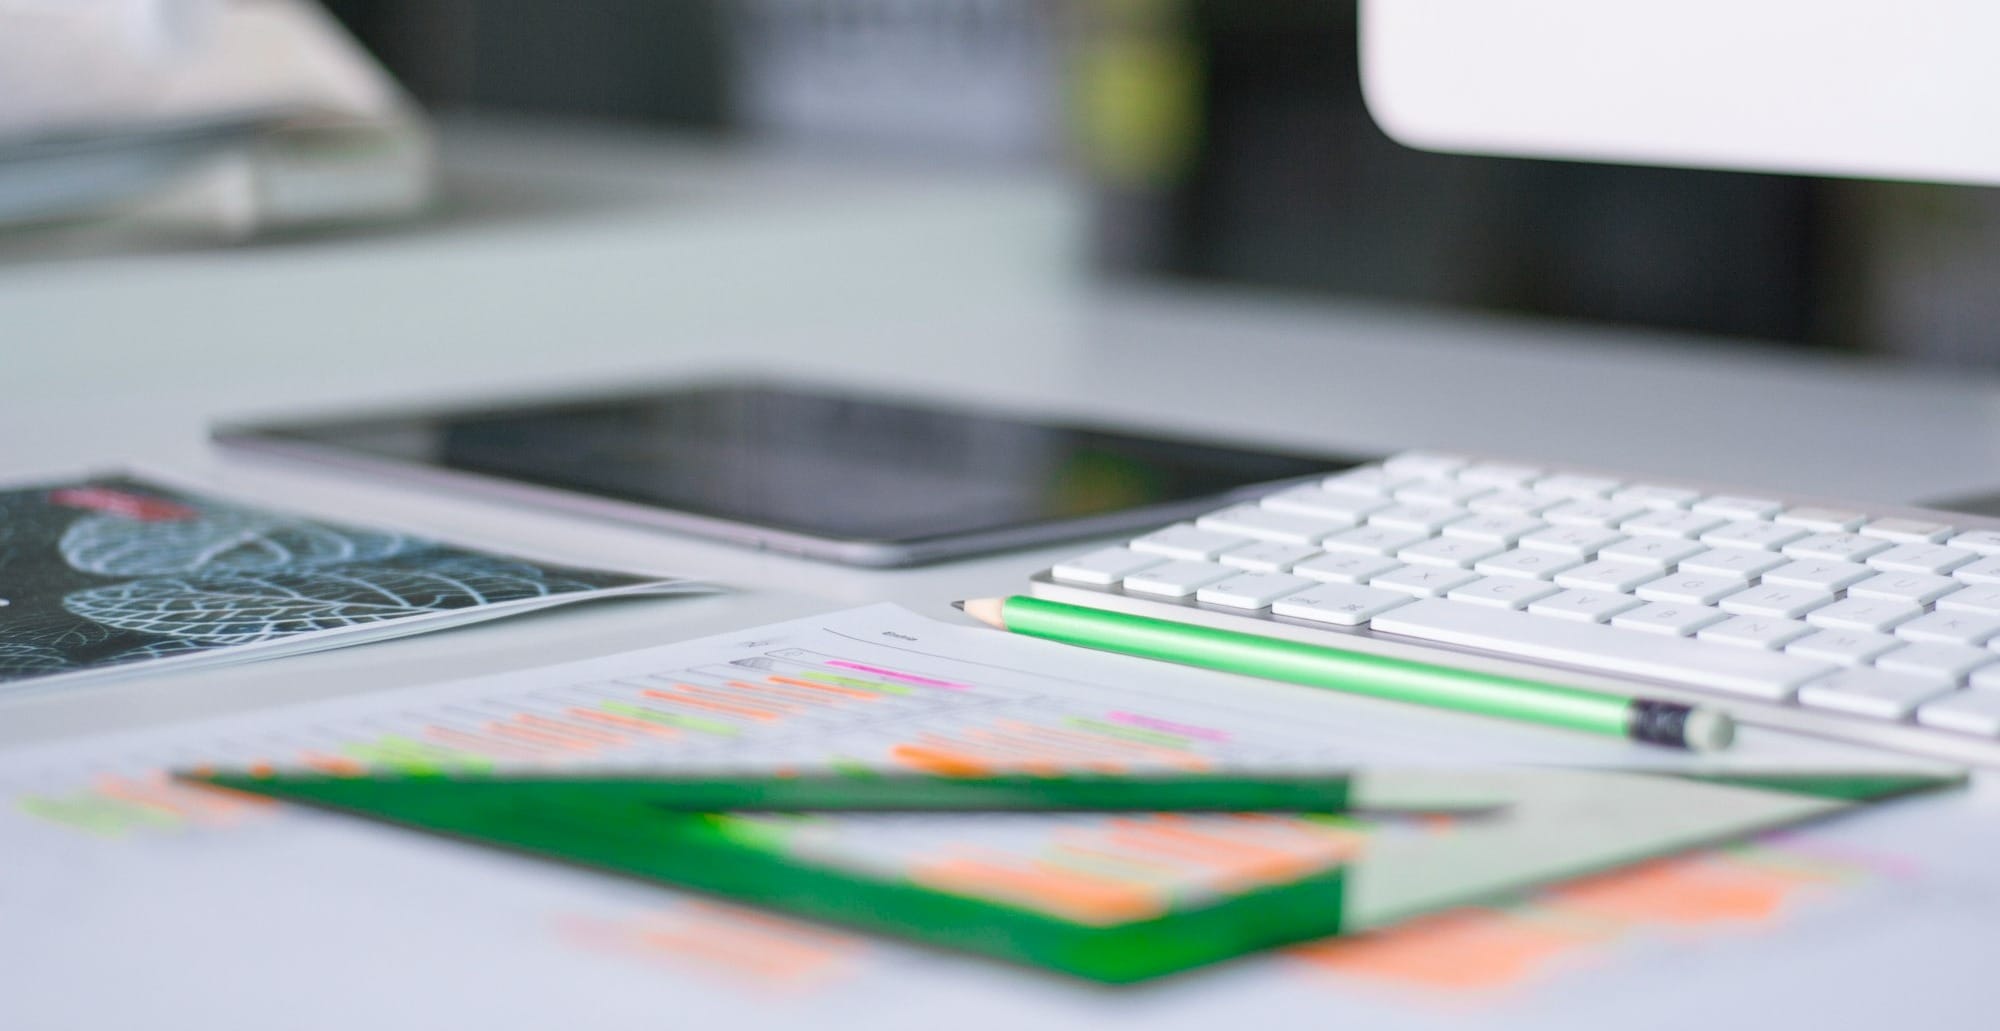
x=1677 y=660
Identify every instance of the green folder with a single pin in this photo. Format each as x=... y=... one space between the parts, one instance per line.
x=1020 y=872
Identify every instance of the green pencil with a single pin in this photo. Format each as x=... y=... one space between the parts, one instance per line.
x=1698 y=728
x=1334 y=791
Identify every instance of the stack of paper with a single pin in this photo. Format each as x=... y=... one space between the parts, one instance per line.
x=579 y=762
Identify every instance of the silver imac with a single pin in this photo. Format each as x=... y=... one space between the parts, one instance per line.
x=1854 y=88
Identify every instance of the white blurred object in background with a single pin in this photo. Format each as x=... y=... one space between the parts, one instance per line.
x=975 y=78
x=234 y=116
x=1907 y=91
x=71 y=65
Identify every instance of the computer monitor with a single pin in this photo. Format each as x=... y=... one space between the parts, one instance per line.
x=1907 y=90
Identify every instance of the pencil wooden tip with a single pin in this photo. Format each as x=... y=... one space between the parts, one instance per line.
x=985 y=610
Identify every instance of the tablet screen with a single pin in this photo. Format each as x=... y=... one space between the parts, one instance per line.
x=822 y=465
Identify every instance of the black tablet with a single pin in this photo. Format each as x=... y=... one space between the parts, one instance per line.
x=865 y=481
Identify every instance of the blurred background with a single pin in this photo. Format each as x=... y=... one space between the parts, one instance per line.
x=1215 y=141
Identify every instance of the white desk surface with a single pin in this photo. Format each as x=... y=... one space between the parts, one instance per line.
x=598 y=258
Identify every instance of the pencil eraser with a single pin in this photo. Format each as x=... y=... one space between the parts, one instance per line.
x=1708 y=730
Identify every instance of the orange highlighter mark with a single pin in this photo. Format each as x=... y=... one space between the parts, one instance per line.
x=1469 y=950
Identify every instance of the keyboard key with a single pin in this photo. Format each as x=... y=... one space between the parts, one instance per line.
x=1605 y=648
x=1742 y=563
x=1921 y=558
x=1313 y=501
x=1984 y=571
x=1340 y=604
x=1429 y=465
x=1753 y=632
x=1512 y=502
x=1915 y=588
x=1878 y=615
x=1945 y=662
x=1846 y=647
x=1656 y=553
x=1565 y=485
x=1525 y=562
x=1620 y=577
x=1268 y=556
x=1835 y=547
x=1730 y=506
x=1582 y=606
x=1869 y=692
x=1967 y=712
x=1497 y=527
x=1177 y=579
x=1671 y=524
x=1264 y=524
x=1907 y=531
x=1427 y=519
x=1949 y=626
x=1440 y=492
x=1505 y=592
x=1423 y=581
x=1503 y=475
x=1104 y=567
x=1581 y=541
x=1668 y=618
x=1364 y=482
x=1656 y=497
x=1345 y=567
x=1592 y=513
x=1751 y=534
x=1252 y=590
x=1449 y=551
x=1823 y=520
x=1187 y=541
x=1976 y=598
x=1784 y=601
x=1981 y=542
x=1373 y=540
x=1691 y=588
x=1824 y=575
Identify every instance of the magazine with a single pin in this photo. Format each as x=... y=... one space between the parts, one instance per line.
x=114 y=575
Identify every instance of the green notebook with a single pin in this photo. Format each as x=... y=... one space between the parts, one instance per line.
x=1067 y=873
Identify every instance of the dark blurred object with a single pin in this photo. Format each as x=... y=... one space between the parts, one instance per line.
x=1970 y=504
x=1293 y=185
x=662 y=61
x=1277 y=175
x=1227 y=141
x=974 y=80
x=977 y=78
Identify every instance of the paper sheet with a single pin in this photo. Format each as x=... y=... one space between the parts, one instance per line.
x=234 y=913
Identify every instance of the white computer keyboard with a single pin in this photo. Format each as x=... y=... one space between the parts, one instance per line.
x=1881 y=628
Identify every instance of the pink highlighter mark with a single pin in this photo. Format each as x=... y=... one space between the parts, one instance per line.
x=907 y=678
x=1151 y=723
x=141 y=507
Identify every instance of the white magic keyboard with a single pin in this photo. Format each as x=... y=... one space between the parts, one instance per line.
x=1880 y=628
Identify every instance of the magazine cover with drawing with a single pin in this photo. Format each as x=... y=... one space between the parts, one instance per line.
x=101 y=576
